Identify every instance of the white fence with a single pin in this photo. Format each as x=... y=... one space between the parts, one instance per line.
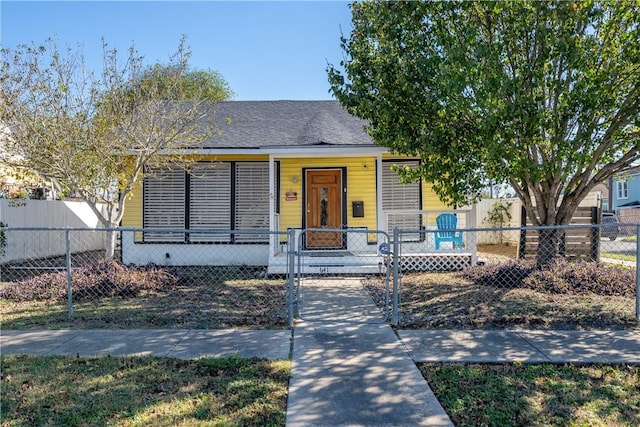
x=483 y=207
x=23 y=213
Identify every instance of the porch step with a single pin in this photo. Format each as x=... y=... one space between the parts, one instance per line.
x=453 y=261
x=328 y=269
x=312 y=265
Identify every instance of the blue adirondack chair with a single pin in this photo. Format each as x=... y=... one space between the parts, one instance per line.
x=447 y=223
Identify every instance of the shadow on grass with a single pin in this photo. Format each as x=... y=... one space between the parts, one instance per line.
x=70 y=391
x=525 y=395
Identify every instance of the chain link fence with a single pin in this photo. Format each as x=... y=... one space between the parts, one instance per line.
x=66 y=278
x=573 y=277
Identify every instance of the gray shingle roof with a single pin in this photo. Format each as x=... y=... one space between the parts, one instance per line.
x=259 y=124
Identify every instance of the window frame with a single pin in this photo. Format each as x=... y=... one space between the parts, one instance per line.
x=622 y=189
x=387 y=174
x=259 y=238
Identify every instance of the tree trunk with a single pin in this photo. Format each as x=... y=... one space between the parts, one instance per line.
x=550 y=246
x=110 y=243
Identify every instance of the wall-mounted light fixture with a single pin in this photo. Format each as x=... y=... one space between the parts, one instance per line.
x=294 y=179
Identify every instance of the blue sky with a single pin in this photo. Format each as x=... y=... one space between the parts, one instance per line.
x=266 y=50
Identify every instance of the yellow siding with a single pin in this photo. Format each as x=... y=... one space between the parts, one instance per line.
x=133 y=207
x=429 y=199
x=431 y=202
x=361 y=186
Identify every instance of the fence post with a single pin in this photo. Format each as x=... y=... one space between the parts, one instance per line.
x=638 y=273
x=595 y=241
x=67 y=234
x=291 y=282
x=522 y=247
x=395 y=260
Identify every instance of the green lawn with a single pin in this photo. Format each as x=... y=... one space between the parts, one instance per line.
x=142 y=391
x=616 y=255
x=150 y=391
x=537 y=395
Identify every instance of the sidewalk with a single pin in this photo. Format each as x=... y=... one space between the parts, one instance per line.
x=179 y=343
x=448 y=346
x=526 y=346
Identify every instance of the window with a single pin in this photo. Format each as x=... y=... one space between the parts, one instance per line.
x=210 y=200
x=252 y=200
x=623 y=189
x=164 y=199
x=396 y=195
x=220 y=195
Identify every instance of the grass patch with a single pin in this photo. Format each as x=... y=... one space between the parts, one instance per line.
x=537 y=395
x=142 y=391
x=618 y=255
x=629 y=239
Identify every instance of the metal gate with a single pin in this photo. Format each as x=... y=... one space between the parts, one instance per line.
x=348 y=282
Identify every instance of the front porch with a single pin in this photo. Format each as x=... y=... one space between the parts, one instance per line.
x=349 y=263
x=369 y=252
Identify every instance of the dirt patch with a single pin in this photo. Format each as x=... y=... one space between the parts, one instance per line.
x=445 y=301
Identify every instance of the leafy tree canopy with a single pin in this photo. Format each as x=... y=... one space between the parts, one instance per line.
x=97 y=135
x=542 y=95
x=160 y=82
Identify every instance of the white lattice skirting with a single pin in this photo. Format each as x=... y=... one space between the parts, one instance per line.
x=450 y=262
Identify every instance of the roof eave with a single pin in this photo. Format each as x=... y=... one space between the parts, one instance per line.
x=284 y=151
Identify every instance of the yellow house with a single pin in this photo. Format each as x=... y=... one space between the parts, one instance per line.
x=276 y=166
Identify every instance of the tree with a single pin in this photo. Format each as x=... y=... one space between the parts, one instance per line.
x=97 y=136
x=541 y=95
x=498 y=216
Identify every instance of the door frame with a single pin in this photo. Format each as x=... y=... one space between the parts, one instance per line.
x=343 y=199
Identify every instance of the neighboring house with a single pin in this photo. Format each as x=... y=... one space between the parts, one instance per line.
x=276 y=165
x=18 y=183
x=625 y=189
x=625 y=196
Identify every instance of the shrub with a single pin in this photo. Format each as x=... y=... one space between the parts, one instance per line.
x=104 y=279
x=583 y=277
x=510 y=274
x=561 y=276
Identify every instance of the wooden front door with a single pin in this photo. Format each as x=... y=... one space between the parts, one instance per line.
x=324 y=208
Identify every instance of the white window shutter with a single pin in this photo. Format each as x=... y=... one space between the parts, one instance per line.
x=396 y=195
x=210 y=201
x=252 y=200
x=164 y=203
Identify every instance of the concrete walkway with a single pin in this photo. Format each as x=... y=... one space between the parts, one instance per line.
x=526 y=346
x=349 y=367
x=448 y=346
x=179 y=343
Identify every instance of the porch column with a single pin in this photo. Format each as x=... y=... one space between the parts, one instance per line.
x=273 y=238
x=381 y=222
